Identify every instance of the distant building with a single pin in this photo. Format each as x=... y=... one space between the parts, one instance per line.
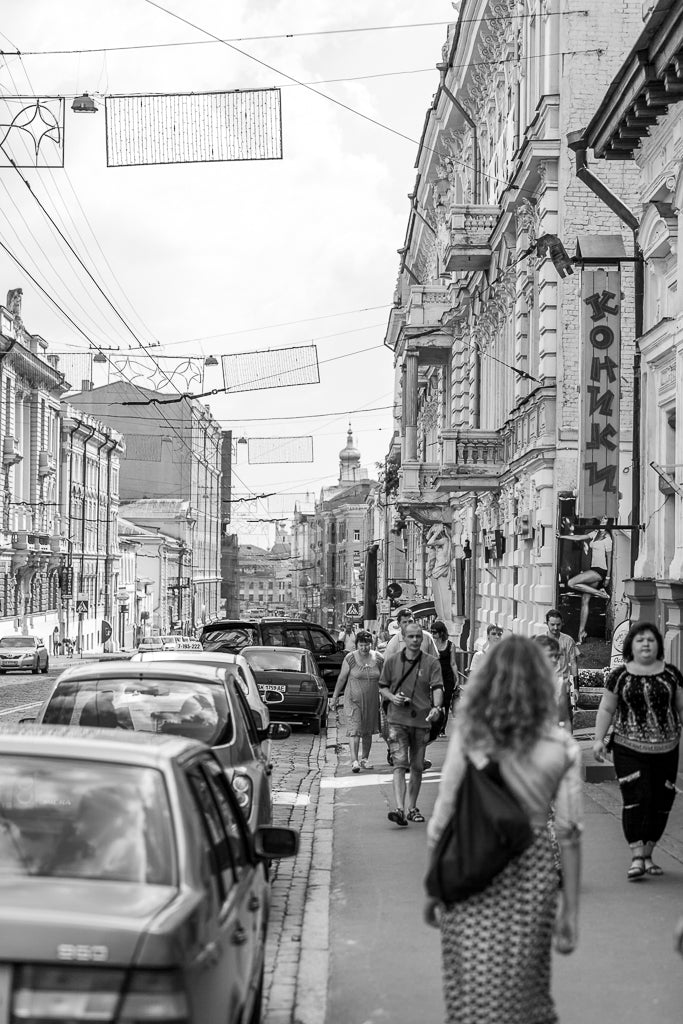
x=171 y=454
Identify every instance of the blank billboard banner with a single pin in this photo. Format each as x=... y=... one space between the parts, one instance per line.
x=184 y=128
x=280 y=449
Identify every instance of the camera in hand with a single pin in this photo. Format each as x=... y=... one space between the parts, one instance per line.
x=404 y=698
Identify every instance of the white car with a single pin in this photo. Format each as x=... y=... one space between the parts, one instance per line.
x=23 y=654
x=214 y=659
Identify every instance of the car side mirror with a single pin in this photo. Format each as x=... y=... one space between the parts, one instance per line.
x=278 y=731
x=274 y=843
x=340 y=646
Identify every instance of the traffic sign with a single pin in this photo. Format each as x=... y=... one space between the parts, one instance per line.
x=384 y=605
x=352 y=609
x=82 y=607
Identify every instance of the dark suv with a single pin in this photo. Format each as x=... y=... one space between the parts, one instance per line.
x=234 y=634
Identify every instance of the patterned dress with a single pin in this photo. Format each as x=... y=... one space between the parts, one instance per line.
x=361 y=695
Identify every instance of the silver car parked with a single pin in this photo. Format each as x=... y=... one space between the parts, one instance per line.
x=23 y=654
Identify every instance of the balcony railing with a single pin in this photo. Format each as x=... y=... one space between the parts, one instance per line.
x=471 y=460
x=469 y=246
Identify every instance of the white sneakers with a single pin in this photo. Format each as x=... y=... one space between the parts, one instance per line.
x=355 y=767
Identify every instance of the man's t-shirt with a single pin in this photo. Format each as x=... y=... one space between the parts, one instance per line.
x=567 y=656
x=398 y=644
x=418 y=685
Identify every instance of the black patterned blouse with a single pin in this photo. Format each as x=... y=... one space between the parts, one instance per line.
x=646 y=717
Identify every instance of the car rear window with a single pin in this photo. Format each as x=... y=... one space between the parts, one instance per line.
x=232 y=639
x=276 y=661
x=197 y=710
x=84 y=819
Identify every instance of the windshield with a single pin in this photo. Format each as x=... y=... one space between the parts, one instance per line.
x=231 y=639
x=276 y=661
x=199 y=711
x=84 y=819
x=18 y=641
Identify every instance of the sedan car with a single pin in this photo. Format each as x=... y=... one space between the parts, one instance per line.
x=23 y=654
x=290 y=684
x=234 y=663
x=130 y=886
x=199 y=703
x=151 y=643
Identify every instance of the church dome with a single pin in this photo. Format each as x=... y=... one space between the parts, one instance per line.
x=350 y=453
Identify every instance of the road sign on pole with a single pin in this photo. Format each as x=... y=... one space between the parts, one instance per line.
x=352 y=609
x=82 y=607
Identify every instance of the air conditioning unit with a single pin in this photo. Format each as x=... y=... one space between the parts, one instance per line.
x=47 y=464
x=11 y=452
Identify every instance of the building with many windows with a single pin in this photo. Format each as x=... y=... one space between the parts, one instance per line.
x=171 y=456
x=490 y=458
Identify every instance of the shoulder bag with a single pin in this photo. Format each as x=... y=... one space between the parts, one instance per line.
x=487 y=830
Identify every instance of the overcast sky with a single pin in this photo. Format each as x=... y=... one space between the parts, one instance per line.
x=205 y=258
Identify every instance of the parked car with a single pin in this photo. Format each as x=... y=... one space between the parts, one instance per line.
x=130 y=886
x=204 y=704
x=290 y=684
x=23 y=654
x=151 y=643
x=234 y=663
x=234 y=635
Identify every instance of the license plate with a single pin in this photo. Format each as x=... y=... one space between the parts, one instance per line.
x=8 y=661
x=278 y=687
x=5 y=992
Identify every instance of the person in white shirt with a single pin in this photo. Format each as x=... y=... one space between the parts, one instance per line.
x=493 y=635
x=398 y=641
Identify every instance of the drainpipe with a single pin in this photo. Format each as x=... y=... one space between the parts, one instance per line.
x=79 y=642
x=577 y=143
x=442 y=68
x=97 y=538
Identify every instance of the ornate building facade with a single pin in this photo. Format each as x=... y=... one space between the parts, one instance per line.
x=486 y=318
x=641 y=128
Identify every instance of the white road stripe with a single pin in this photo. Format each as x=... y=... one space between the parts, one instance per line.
x=21 y=707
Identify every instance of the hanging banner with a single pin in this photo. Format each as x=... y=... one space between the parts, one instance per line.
x=600 y=325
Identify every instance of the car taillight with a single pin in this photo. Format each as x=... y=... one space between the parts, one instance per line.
x=310 y=687
x=154 y=996
x=244 y=791
x=71 y=995
x=65 y=994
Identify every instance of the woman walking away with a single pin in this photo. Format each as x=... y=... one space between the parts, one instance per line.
x=495 y=945
x=644 y=696
x=449 y=668
x=358 y=681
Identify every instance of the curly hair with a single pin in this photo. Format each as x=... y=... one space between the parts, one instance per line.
x=509 y=699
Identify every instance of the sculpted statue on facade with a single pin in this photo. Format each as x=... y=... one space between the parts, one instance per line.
x=438 y=543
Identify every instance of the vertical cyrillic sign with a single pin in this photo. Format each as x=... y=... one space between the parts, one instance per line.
x=598 y=490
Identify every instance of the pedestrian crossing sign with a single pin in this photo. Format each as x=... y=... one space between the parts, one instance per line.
x=81 y=607
x=353 y=609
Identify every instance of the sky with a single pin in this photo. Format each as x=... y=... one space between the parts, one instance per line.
x=213 y=258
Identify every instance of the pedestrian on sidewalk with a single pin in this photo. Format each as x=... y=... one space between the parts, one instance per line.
x=569 y=654
x=449 y=669
x=496 y=944
x=398 y=641
x=644 y=699
x=493 y=636
x=358 y=680
x=411 y=683
x=564 y=708
x=347 y=637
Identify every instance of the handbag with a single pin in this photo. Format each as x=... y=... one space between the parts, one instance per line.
x=488 y=828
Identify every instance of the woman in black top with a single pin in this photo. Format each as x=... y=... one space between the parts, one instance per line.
x=449 y=670
x=644 y=696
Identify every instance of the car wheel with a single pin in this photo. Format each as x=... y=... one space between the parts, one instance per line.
x=46 y=667
x=314 y=726
x=256 y=1013
x=35 y=668
x=323 y=721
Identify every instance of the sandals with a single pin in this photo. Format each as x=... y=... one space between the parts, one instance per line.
x=637 y=869
x=414 y=815
x=398 y=817
x=651 y=869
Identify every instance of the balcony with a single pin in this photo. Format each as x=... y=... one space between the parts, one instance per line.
x=469 y=247
x=471 y=460
x=47 y=464
x=11 y=451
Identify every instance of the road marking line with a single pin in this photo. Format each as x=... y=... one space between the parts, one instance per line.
x=21 y=707
x=344 y=782
x=291 y=799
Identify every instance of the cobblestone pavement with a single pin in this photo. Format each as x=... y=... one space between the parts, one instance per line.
x=297 y=952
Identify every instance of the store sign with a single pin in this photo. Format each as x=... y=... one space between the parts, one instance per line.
x=598 y=484
x=66 y=582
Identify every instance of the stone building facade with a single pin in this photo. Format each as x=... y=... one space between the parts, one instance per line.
x=173 y=452
x=637 y=124
x=486 y=318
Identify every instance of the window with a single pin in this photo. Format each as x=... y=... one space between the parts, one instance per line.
x=356 y=535
x=232 y=822
x=220 y=847
x=322 y=643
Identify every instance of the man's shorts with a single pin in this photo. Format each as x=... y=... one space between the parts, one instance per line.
x=407 y=745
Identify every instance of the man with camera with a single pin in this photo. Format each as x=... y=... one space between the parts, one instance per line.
x=412 y=687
